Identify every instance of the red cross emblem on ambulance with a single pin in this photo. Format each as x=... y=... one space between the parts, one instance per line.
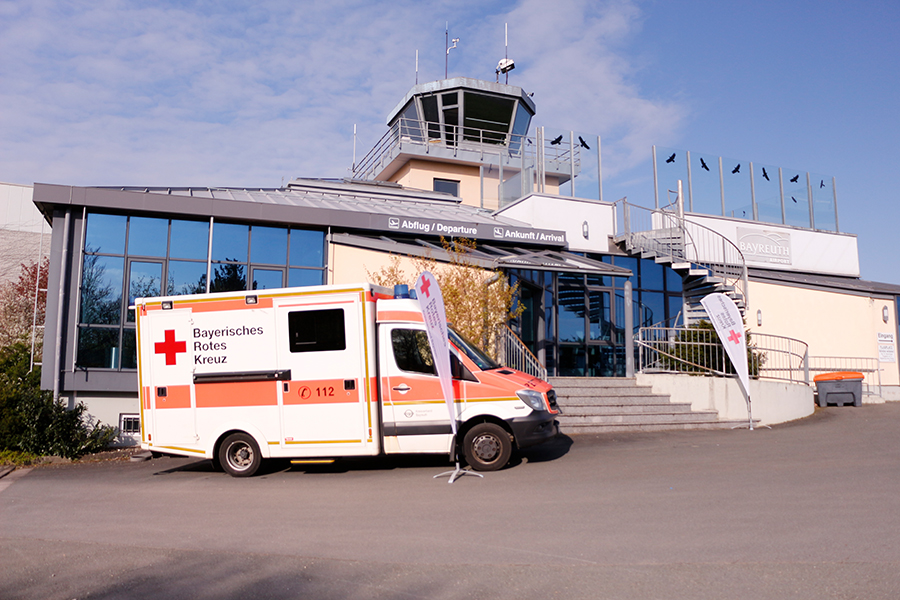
x=170 y=347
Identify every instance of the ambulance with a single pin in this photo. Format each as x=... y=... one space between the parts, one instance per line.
x=320 y=373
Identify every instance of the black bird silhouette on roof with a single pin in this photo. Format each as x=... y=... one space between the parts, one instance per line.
x=703 y=164
x=765 y=175
x=821 y=183
x=671 y=159
x=555 y=141
x=794 y=199
x=737 y=169
x=795 y=178
x=583 y=143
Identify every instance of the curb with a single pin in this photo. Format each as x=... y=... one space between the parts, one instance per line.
x=4 y=471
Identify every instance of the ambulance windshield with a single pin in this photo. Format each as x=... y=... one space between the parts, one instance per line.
x=482 y=360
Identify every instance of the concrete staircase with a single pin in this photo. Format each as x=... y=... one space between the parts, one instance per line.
x=598 y=405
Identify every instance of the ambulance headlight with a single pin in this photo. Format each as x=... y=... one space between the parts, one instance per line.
x=532 y=398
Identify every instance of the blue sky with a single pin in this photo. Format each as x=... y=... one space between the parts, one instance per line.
x=247 y=93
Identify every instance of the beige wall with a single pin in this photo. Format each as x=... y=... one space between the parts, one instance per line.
x=832 y=323
x=420 y=174
x=347 y=264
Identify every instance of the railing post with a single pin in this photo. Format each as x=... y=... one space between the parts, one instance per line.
x=806 y=366
x=629 y=331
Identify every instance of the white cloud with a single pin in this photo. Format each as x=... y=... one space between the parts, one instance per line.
x=111 y=92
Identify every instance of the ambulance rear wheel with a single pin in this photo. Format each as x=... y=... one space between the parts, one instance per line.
x=239 y=455
x=487 y=447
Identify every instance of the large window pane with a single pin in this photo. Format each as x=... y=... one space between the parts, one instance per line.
x=98 y=348
x=651 y=275
x=105 y=233
x=129 y=349
x=304 y=277
x=268 y=245
x=631 y=264
x=307 y=248
x=600 y=325
x=654 y=306
x=267 y=279
x=145 y=279
x=601 y=361
x=571 y=361
x=190 y=239
x=571 y=315
x=147 y=237
x=186 y=278
x=228 y=278
x=101 y=289
x=230 y=242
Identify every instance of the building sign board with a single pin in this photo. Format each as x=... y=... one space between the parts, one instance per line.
x=492 y=231
x=886 y=352
x=764 y=246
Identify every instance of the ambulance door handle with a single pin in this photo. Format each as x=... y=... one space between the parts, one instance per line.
x=402 y=388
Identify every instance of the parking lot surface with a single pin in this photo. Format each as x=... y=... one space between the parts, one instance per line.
x=809 y=509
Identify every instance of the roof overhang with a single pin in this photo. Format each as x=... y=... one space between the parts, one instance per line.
x=488 y=256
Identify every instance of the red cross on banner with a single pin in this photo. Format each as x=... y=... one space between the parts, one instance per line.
x=170 y=347
x=734 y=337
x=426 y=283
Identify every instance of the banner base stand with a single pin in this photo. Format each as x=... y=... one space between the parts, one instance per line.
x=457 y=473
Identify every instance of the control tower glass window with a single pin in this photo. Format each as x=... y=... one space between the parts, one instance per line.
x=487 y=119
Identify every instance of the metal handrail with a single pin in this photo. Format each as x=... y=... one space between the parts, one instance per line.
x=512 y=352
x=868 y=366
x=669 y=235
x=699 y=352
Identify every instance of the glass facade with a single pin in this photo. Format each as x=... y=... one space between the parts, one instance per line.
x=575 y=323
x=125 y=258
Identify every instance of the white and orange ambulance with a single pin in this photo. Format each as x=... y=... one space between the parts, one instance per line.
x=321 y=372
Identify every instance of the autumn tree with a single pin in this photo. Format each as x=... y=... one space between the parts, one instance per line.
x=18 y=312
x=479 y=301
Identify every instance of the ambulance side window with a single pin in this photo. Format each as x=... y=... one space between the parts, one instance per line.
x=317 y=330
x=413 y=353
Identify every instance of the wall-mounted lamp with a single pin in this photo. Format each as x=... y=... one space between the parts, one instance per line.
x=885 y=314
x=585 y=230
x=759 y=318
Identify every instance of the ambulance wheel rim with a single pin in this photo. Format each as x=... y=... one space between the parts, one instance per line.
x=240 y=455
x=487 y=447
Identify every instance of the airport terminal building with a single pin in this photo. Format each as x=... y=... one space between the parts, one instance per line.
x=461 y=159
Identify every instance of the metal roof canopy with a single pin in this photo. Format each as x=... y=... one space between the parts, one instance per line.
x=325 y=204
x=488 y=256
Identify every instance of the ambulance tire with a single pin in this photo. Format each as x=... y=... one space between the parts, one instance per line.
x=239 y=455
x=487 y=447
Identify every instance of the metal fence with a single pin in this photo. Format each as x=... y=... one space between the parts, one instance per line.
x=699 y=351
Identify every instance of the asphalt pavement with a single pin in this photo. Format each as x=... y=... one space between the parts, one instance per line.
x=809 y=509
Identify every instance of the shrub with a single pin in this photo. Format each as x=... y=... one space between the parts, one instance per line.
x=32 y=421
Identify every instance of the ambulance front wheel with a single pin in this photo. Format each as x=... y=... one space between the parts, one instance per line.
x=487 y=447
x=239 y=455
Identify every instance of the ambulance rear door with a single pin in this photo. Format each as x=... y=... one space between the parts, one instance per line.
x=166 y=373
x=329 y=406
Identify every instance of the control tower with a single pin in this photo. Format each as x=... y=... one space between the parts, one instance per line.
x=469 y=138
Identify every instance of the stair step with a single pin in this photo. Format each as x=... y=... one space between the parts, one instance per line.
x=646 y=427
x=640 y=419
x=572 y=412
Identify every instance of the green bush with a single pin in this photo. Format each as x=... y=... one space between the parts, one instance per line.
x=31 y=421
